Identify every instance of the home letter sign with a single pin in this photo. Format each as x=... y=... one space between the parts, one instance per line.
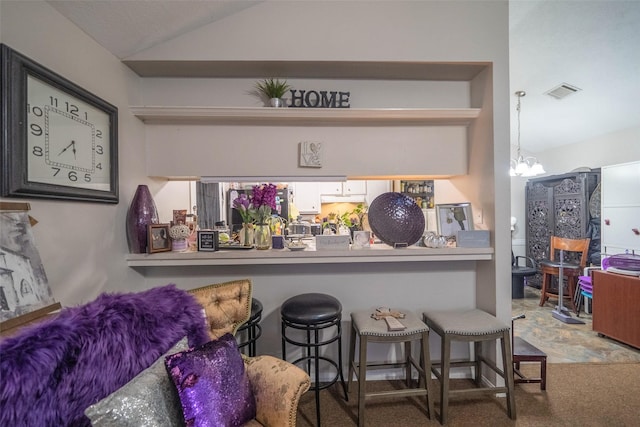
x=319 y=99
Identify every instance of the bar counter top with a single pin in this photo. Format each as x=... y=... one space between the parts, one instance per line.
x=376 y=253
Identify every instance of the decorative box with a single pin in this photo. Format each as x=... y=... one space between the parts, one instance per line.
x=333 y=243
x=473 y=239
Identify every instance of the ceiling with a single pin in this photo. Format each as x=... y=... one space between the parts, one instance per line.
x=590 y=45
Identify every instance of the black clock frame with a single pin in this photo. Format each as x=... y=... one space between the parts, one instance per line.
x=13 y=121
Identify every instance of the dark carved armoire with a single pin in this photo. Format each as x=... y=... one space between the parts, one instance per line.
x=562 y=205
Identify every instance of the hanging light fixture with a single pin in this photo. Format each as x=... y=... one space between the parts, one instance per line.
x=524 y=166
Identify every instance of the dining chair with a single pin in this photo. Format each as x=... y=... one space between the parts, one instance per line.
x=572 y=267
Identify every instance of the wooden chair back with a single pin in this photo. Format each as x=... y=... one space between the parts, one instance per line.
x=570 y=245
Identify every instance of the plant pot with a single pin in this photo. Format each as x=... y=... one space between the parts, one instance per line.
x=276 y=102
x=179 y=245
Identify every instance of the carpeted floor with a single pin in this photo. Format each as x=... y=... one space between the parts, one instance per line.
x=584 y=394
x=592 y=381
x=565 y=343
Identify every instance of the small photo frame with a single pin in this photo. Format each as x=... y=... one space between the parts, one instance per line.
x=454 y=217
x=311 y=154
x=179 y=216
x=207 y=241
x=158 y=236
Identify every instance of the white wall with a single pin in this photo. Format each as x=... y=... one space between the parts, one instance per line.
x=614 y=148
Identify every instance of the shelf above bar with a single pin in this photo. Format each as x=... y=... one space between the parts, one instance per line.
x=305 y=116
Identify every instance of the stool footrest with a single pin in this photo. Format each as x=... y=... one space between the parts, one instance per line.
x=479 y=391
x=396 y=393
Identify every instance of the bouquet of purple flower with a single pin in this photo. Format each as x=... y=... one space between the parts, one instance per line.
x=257 y=207
x=263 y=201
x=243 y=205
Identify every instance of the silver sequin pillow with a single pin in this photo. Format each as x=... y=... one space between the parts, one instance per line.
x=148 y=400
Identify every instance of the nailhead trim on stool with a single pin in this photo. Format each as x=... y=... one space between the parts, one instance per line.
x=477 y=326
x=369 y=330
x=313 y=313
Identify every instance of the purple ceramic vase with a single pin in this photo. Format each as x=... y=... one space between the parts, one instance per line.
x=142 y=212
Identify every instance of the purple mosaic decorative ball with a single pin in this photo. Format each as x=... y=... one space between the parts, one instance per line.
x=396 y=219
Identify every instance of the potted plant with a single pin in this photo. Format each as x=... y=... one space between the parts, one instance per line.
x=355 y=219
x=273 y=90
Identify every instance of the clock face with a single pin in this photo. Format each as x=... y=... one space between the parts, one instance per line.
x=68 y=139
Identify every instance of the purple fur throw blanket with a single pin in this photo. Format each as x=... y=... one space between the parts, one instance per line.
x=51 y=372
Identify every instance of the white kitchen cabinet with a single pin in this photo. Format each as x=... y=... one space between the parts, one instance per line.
x=376 y=188
x=330 y=188
x=348 y=188
x=306 y=197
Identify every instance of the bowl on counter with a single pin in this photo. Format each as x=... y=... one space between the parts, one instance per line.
x=297 y=246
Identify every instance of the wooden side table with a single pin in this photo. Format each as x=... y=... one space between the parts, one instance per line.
x=616 y=307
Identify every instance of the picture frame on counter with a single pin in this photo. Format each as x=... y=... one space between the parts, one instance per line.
x=158 y=238
x=208 y=241
x=454 y=217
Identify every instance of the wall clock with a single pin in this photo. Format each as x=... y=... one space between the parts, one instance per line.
x=59 y=141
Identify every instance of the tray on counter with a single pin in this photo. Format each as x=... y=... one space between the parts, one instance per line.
x=224 y=247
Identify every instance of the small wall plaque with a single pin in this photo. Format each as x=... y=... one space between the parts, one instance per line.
x=311 y=154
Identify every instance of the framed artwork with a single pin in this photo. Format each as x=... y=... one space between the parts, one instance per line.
x=453 y=217
x=60 y=141
x=24 y=290
x=179 y=216
x=207 y=241
x=159 y=240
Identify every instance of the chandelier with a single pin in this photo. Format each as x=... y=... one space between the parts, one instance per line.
x=524 y=166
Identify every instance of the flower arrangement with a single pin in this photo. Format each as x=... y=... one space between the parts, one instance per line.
x=257 y=208
x=179 y=235
x=178 y=232
x=263 y=201
x=242 y=204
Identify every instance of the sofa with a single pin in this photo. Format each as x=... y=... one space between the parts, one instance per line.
x=76 y=368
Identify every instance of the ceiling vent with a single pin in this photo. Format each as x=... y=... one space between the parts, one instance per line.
x=562 y=91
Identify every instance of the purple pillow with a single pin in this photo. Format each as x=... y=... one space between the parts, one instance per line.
x=212 y=384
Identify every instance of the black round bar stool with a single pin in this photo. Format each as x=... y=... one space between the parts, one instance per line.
x=314 y=313
x=249 y=332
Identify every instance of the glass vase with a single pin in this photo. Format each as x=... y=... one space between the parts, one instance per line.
x=262 y=236
x=246 y=234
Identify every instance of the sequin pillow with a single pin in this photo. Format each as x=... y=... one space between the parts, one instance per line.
x=212 y=384
x=149 y=399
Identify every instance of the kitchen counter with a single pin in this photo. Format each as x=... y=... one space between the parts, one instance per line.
x=378 y=253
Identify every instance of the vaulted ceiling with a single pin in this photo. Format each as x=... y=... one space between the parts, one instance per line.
x=589 y=45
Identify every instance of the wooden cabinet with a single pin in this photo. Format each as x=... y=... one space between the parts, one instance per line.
x=616 y=307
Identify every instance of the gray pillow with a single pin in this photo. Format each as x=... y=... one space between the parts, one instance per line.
x=148 y=400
